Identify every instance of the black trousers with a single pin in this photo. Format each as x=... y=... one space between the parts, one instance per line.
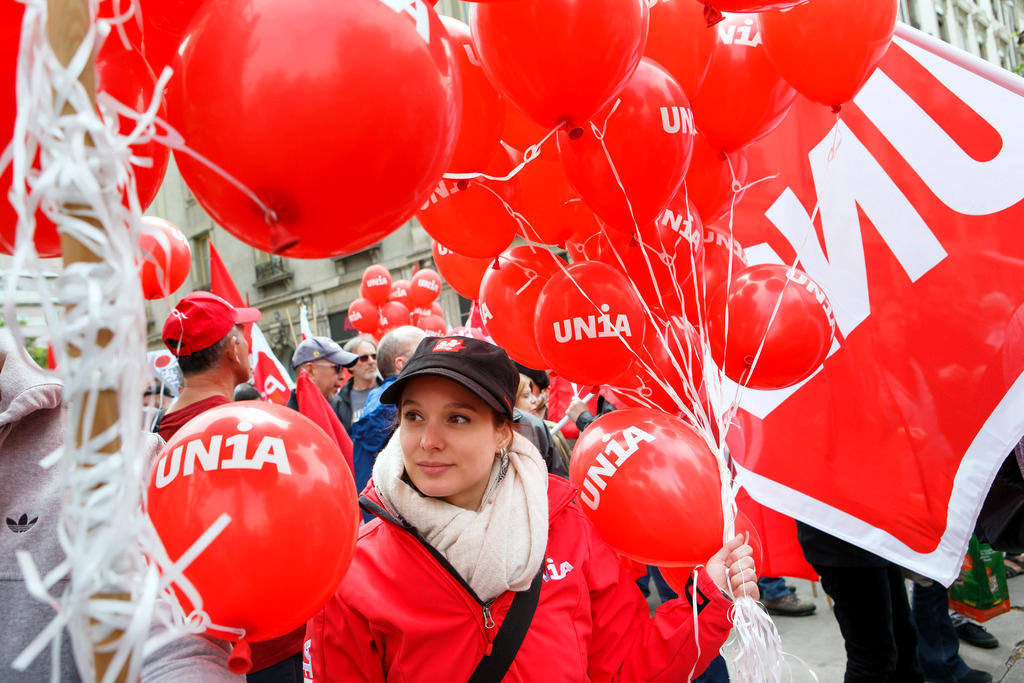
x=874 y=617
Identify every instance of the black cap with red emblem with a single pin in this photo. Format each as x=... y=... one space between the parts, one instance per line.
x=483 y=368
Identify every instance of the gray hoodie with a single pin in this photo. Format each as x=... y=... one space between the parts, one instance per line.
x=31 y=427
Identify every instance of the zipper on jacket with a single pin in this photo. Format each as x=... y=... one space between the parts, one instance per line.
x=488 y=619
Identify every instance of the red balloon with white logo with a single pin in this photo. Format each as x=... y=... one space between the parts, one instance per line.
x=632 y=171
x=483 y=109
x=827 y=49
x=364 y=315
x=650 y=484
x=166 y=258
x=589 y=323
x=662 y=257
x=724 y=258
x=376 y=285
x=560 y=60
x=743 y=97
x=469 y=216
x=243 y=460
x=424 y=287
x=677 y=577
x=508 y=300
x=777 y=311
x=297 y=100
x=400 y=293
x=462 y=273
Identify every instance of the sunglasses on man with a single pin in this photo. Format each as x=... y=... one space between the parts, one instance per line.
x=366 y=357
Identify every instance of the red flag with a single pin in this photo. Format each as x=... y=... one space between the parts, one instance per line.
x=905 y=209
x=313 y=405
x=269 y=376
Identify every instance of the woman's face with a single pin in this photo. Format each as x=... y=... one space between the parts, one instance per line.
x=526 y=401
x=449 y=439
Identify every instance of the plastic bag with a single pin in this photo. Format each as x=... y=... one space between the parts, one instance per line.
x=980 y=592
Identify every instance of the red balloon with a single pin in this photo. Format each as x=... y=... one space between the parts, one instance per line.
x=827 y=49
x=394 y=314
x=792 y=346
x=163 y=26
x=649 y=138
x=364 y=315
x=483 y=110
x=677 y=577
x=585 y=242
x=743 y=97
x=166 y=258
x=461 y=272
x=560 y=60
x=681 y=41
x=508 y=300
x=424 y=287
x=520 y=130
x=376 y=285
x=651 y=486
x=245 y=459
x=433 y=324
x=589 y=323
x=552 y=207
x=339 y=153
x=712 y=177
x=400 y=293
x=724 y=258
x=661 y=259
x=470 y=216
x=120 y=72
x=670 y=358
x=435 y=309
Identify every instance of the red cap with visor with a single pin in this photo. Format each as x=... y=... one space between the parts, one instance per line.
x=200 y=320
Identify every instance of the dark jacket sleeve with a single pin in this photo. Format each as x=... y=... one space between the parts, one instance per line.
x=534 y=429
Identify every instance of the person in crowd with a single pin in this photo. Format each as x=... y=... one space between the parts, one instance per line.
x=481 y=561
x=780 y=599
x=937 y=644
x=32 y=426
x=322 y=359
x=352 y=396
x=373 y=429
x=870 y=604
x=553 y=447
x=205 y=333
x=539 y=383
x=247 y=392
x=156 y=398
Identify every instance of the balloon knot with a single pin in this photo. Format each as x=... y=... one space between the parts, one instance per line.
x=836 y=108
x=281 y=239
x=462 y=184
x=240 y=659
x=634 y=242
x=712 y=15
x=575 y=133
x=496 y=265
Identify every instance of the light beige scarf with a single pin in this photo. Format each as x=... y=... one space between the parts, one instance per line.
x=496 y=548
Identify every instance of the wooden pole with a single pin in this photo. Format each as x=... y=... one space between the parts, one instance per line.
x=68 y=23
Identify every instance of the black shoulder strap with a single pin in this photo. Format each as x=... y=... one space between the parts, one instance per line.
x=492 y=667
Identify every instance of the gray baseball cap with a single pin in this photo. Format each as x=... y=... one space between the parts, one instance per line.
x=322 y=348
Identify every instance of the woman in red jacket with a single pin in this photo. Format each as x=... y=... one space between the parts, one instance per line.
x=471 y=526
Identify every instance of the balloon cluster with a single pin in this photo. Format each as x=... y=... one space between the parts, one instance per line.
x=384 y=304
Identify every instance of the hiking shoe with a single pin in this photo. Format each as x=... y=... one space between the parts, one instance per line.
x=975 y=676
x=789 y=606
x=977 y=636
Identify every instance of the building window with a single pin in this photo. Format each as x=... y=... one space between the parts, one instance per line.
x=201 y=259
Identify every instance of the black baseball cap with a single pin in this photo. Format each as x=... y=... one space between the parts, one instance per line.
x=479 y=366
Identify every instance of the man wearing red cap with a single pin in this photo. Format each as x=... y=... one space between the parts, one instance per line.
x=205 y=333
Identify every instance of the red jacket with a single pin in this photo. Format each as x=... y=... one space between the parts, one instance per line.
x=400 y=615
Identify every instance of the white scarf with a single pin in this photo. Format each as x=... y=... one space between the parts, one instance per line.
x=499 y=546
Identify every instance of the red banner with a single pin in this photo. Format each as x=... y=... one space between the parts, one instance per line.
x=906 y=208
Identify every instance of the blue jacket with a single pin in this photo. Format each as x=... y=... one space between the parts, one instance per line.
x=370 y=433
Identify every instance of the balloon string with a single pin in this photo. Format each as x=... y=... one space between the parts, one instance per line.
x=531 y=153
